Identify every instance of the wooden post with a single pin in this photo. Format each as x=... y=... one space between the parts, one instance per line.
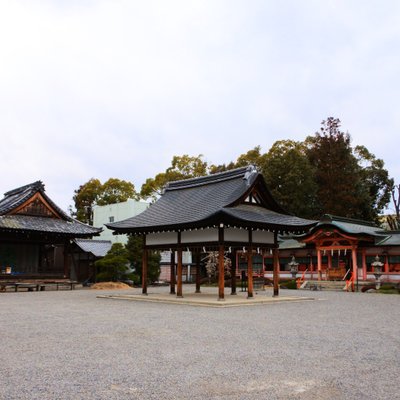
x=364 y=265
x=250 y=272
x=233 y=272
x=221 y=272
x=386 y=267
x=355 y=268
x=319 y=264
x=276 y=271
x=327 y=272
x=172 y=274
x=198 y=269
x=144 y=271
x=179 y=273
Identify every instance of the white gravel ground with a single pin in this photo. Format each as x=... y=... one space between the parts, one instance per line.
x=72 y=345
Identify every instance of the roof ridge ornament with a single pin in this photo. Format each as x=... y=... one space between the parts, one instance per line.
x=250 y=172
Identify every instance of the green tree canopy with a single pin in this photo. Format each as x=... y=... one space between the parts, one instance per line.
x=94 y=193
x=85 y=198
x=182 y=167
x=323 y=174
x=290 y=177
x=351 y=182
x=337 y=173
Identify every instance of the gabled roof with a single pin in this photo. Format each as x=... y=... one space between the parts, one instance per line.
x=238 y=197
x=29 y=209
x=99 y=248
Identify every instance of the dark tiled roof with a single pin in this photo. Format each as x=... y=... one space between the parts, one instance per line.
x=261 y=215
x=64 y=225
x=392 y=239
x=202 y=201
x=99 y=248
x=27 y=223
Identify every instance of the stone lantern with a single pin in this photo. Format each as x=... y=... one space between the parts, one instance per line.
x=294 y=267
x=377 y=266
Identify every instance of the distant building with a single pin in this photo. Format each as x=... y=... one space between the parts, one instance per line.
x=116 y=212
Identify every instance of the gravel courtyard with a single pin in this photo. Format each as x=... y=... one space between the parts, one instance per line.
x=73 y=345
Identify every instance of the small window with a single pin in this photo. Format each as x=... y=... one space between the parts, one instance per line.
x=111 y=219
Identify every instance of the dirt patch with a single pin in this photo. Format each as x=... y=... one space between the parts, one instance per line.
x=110 y=286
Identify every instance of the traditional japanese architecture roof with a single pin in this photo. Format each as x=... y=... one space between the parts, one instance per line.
x=99 y=248
x=28 y=209
x=349 y=226
x=238 y=198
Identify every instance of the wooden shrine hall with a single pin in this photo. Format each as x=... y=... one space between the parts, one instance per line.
x=36 y=235
x=225 y=212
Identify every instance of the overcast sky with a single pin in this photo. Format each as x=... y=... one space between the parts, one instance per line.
x=100 y=89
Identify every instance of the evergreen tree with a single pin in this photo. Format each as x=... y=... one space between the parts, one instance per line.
x=114 y=265
x=338 y=176
x=290 y=178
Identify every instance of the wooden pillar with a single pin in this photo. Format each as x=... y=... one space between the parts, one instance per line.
x=179 y=273
x=329 y=264
x=276 y=271
x=364 y=265
x=311 y=266
x=233 y=272
x=172 y=274
x=319 y=264
x=250 y=272
x=144 y=271
x=355 y=268
x=221 y=272
x=198 y=270
x=386 y=266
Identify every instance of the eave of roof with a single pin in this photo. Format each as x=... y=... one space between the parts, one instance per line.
x=24 y=223
x=99 y=248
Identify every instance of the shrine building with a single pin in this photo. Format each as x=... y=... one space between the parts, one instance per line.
x=36 y=237
x=228 y=212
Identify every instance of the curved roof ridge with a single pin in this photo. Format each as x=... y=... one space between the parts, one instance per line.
x=332 y=218
x=209 y=179
x=38 y=185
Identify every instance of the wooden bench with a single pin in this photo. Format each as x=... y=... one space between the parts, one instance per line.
x=31 y=286
x=57 y=284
